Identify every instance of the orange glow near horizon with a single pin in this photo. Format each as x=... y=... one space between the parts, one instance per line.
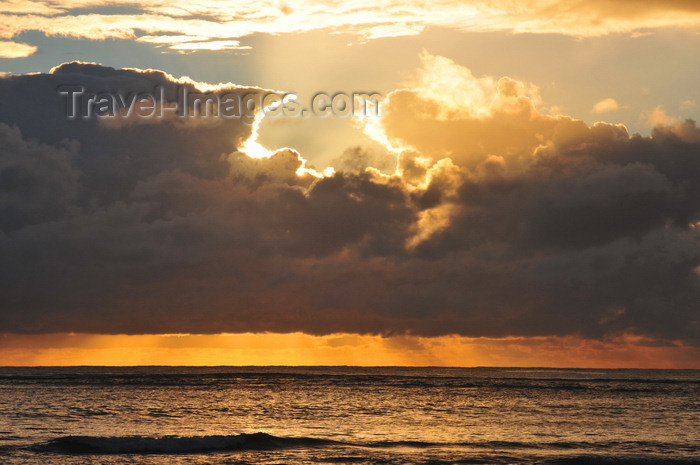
x=340 y=349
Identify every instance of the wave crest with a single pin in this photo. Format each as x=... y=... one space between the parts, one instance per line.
x=174 y=444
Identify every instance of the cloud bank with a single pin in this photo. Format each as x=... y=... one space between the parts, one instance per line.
x=186 y=25
x=499 y=221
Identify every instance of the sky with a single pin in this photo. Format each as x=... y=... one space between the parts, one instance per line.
x=529 y=194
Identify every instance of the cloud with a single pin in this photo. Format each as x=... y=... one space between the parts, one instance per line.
x=211 y=45
x=549 y=186
x=688 y=105
x=605 y=106
x=499 y=220
x=223 y=22
x=658 y=117
x=9 y=49
x=450 y=112
x=38 y=182
x=29 y=6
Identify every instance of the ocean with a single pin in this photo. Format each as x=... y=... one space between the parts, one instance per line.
x=337 y=415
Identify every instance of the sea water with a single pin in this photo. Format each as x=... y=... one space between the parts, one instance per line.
x=317 y=415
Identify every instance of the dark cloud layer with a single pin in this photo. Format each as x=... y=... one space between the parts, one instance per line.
x=166 y=227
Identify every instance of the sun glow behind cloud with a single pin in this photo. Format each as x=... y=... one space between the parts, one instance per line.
x=254 y=149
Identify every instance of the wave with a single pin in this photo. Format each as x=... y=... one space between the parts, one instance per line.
x=174 y=444
x=264 y=441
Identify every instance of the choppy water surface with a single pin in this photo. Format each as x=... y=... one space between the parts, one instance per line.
x=274 y=415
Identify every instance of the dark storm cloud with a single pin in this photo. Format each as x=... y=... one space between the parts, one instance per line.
x=166 y=227
x=113 y=160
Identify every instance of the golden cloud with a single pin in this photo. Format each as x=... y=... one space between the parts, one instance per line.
x=219 y=21
x=9 y=49
x=606 y=105
x=658 y=117
x=449 y=112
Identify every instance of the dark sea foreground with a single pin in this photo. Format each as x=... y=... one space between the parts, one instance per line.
x=291 y=415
